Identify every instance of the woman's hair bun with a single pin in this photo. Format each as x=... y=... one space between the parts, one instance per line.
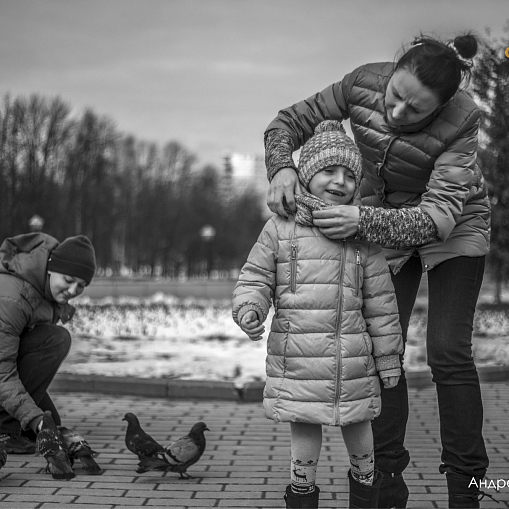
x=329 y=125
x=466 y=45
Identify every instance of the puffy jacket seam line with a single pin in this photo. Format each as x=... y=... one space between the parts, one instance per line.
x=260 y=267
x=361 y=106
x=372 y=276
x=264 y=246
x=302 y=401
x=383 y=336
x=307 y=356
x=421 y=152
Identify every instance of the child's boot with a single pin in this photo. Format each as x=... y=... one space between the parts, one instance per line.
x=363 y=496
x=308 y=501
x=393 y=491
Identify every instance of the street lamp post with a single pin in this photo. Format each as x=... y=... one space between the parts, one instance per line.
x=207 y=235
x=36 y=223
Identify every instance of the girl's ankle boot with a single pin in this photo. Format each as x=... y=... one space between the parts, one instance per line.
x=362 y=496
x=309 y=501
x=464 y=491
x=393 y=491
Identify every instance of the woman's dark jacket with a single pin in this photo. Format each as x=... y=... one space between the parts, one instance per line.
x=431 y=165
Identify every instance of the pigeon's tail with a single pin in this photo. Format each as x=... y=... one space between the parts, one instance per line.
x=152 y=463
x=90 y=465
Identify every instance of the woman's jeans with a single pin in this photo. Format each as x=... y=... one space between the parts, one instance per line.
x=453 y=289
x=41 y=351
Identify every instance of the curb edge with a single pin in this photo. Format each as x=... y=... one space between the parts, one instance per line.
x=203 y=389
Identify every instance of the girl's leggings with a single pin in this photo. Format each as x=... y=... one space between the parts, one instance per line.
x=306 y=445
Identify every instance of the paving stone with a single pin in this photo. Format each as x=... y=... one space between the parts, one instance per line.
x=246 y=461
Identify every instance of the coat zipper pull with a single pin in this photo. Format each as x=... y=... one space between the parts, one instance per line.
x=357 y=271
x=293 y=268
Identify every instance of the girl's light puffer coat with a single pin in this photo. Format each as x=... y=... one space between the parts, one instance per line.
x=335 y=311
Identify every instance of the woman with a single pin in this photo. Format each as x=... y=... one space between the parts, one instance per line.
x=424 y=200
x=38 y=277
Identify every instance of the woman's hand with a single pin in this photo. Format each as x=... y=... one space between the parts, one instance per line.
x=250 y=324
x=285 y=184
x=337 y=222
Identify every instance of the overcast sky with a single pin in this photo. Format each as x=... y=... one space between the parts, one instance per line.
x=210 y=73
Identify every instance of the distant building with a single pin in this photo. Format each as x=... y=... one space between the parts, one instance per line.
x=246 y=171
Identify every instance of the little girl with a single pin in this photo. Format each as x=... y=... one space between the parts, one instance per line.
x=335 y=329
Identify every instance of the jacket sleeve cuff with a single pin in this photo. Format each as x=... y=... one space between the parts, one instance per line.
x=386 y=373
x=34 y=424
x=387 y=362
x=396 y=228
x=244 y=309
x=278 y=152
x=33 y=416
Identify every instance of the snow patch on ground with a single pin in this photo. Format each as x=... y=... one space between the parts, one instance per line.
x=190 y=339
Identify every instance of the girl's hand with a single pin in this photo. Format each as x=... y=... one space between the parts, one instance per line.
x=338 y=222
x=250 y=324
x=390 y=381
x=285 y=184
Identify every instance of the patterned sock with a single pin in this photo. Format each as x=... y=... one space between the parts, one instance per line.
x=303 y=476
x=363 y=468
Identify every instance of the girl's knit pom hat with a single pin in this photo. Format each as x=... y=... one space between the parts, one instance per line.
x=329 y=146
x=75 y=257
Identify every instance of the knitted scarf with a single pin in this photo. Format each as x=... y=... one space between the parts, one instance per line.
x=306 y=203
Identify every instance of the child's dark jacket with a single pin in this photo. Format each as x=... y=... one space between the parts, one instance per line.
x=24 y=304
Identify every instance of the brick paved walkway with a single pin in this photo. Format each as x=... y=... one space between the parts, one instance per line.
x=246 y=460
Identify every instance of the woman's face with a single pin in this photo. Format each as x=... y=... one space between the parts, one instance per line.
x=407 y=100
x=64 y=288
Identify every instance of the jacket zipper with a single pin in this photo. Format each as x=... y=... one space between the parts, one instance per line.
x=357 y=272
x=338 y=334
x=293 y=267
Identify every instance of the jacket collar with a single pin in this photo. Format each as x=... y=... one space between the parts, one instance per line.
x=415 y=127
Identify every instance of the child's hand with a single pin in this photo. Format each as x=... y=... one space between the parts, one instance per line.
x=250 y=324
x=390 y=381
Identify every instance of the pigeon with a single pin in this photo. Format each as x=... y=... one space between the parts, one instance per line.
x=3 y=454
x=139 y=442
x=180 y=455
x=79 y=448
x=50 y=444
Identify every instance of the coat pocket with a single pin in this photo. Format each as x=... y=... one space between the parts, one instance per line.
x=370 y=361
x=293 y=267
x=368 y=342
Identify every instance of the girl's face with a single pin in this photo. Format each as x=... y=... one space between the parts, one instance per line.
x=64 y=288
x=407 y=100
x=334 y=184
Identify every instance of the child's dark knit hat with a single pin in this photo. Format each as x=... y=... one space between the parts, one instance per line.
x=75 y=257
x=329 y=146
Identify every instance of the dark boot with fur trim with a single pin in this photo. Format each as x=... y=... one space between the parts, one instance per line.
x=362 y=496
x=309 y=501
